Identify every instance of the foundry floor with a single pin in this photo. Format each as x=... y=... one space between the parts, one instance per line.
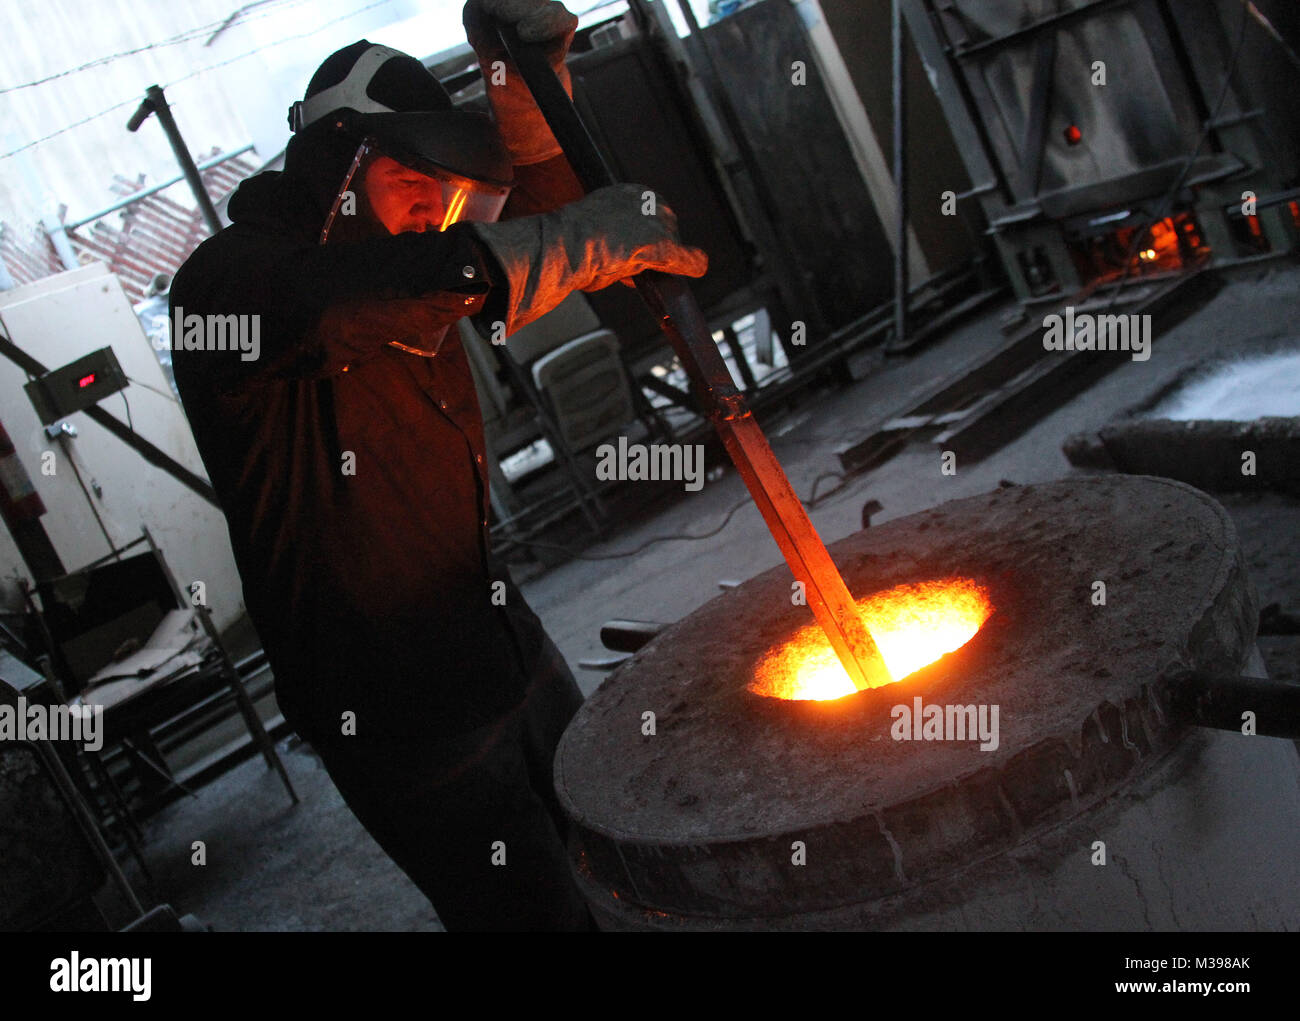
x=272 y=867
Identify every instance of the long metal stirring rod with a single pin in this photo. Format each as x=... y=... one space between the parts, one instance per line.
x=674 y=306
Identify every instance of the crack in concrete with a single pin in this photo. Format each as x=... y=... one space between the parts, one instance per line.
x=893 y=844
x=1137 y=888
x=1160 y=872
x=1011 y=811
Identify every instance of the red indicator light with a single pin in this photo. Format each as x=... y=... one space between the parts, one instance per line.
x=1073 y=136
x=86 y=381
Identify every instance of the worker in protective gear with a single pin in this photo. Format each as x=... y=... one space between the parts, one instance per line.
x=349 y=457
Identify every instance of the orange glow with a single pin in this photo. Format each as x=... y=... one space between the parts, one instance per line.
x=912 y=624
x=1164 y=243
x=455 y=208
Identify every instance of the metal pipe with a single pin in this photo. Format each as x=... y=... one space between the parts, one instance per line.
x=77 y=806
x=156 y=102
x=1222 y=702
x=136 y=196
x=621 y=635
x=900 y=171
x=58 y=235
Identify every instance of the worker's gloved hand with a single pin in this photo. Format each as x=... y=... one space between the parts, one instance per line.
x=547 y=22
x=584 y=246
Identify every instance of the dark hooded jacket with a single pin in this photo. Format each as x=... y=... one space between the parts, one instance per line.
x=351 y=473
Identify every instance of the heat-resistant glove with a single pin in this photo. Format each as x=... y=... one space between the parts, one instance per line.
x=584 y=246
x=547 y=22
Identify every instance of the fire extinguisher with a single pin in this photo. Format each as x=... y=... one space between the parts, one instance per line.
x=19 y=500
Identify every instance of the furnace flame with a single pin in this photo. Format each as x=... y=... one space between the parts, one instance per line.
x=913 y=625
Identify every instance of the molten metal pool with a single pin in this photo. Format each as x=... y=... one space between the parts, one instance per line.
x=913 y=625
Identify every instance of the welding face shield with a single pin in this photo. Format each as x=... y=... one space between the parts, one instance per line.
x=418 y=172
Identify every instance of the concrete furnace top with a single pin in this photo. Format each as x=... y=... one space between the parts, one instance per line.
x=728 y=771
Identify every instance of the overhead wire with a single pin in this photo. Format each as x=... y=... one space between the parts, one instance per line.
x=203 y=70
x=188 y=35
x=266 y=8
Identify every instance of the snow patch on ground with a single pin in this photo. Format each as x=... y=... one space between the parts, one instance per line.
x=1239 y=391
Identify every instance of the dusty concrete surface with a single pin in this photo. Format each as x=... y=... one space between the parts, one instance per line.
x=273 y=866
x=312 y=867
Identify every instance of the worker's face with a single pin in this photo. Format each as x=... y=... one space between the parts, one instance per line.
x=403 y=199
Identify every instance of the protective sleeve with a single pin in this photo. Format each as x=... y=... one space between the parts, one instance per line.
x=541 y=187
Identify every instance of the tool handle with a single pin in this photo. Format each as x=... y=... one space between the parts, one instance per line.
x=584 y=155
x=668 y=297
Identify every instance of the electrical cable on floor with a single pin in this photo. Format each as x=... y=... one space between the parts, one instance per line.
x=683 y=537
x=129 y=424
x=812 y=501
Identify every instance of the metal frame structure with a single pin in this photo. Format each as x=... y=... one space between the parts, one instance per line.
x=1194 y=57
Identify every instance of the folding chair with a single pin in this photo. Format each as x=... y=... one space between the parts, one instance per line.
x=92 y=614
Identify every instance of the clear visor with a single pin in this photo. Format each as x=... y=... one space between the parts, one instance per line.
x=381 y=194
